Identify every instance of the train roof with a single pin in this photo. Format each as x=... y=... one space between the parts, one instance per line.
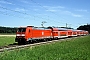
x=60 y=29
x=41 y=28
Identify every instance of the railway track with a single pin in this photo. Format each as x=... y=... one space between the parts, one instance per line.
x=16 y=46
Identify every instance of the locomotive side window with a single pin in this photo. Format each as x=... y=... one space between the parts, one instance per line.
x=29 y=30
x=21 y=30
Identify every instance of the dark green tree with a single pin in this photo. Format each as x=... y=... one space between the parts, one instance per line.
x=85 y=27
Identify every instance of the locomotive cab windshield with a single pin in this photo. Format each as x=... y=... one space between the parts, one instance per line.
x=21 y=30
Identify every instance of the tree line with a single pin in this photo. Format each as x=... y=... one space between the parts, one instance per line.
x=7 y=29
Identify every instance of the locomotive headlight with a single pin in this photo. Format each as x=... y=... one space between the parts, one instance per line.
x=18 y=35
x=23 y=35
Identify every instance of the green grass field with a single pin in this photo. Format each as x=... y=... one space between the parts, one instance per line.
x=5 y=40
x=75 y=49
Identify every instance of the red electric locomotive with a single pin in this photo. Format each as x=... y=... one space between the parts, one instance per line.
x=31 y=33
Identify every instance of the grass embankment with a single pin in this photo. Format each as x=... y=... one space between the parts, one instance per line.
x=6 y=40
x=7 y=33
x=75 y=49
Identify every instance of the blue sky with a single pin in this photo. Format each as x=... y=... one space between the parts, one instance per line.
x=15 y=13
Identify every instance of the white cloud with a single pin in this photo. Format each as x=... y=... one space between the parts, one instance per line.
x=54 y=7
x=19 y=9
x=24 y=1
x=35 y=9
x=58 y=7
x=0 y=5
x=81 y=10
x=52 y=10
x=71 y=13
x=65 y=12
x=5 y=2
x=76 y=15
x=85 y=18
